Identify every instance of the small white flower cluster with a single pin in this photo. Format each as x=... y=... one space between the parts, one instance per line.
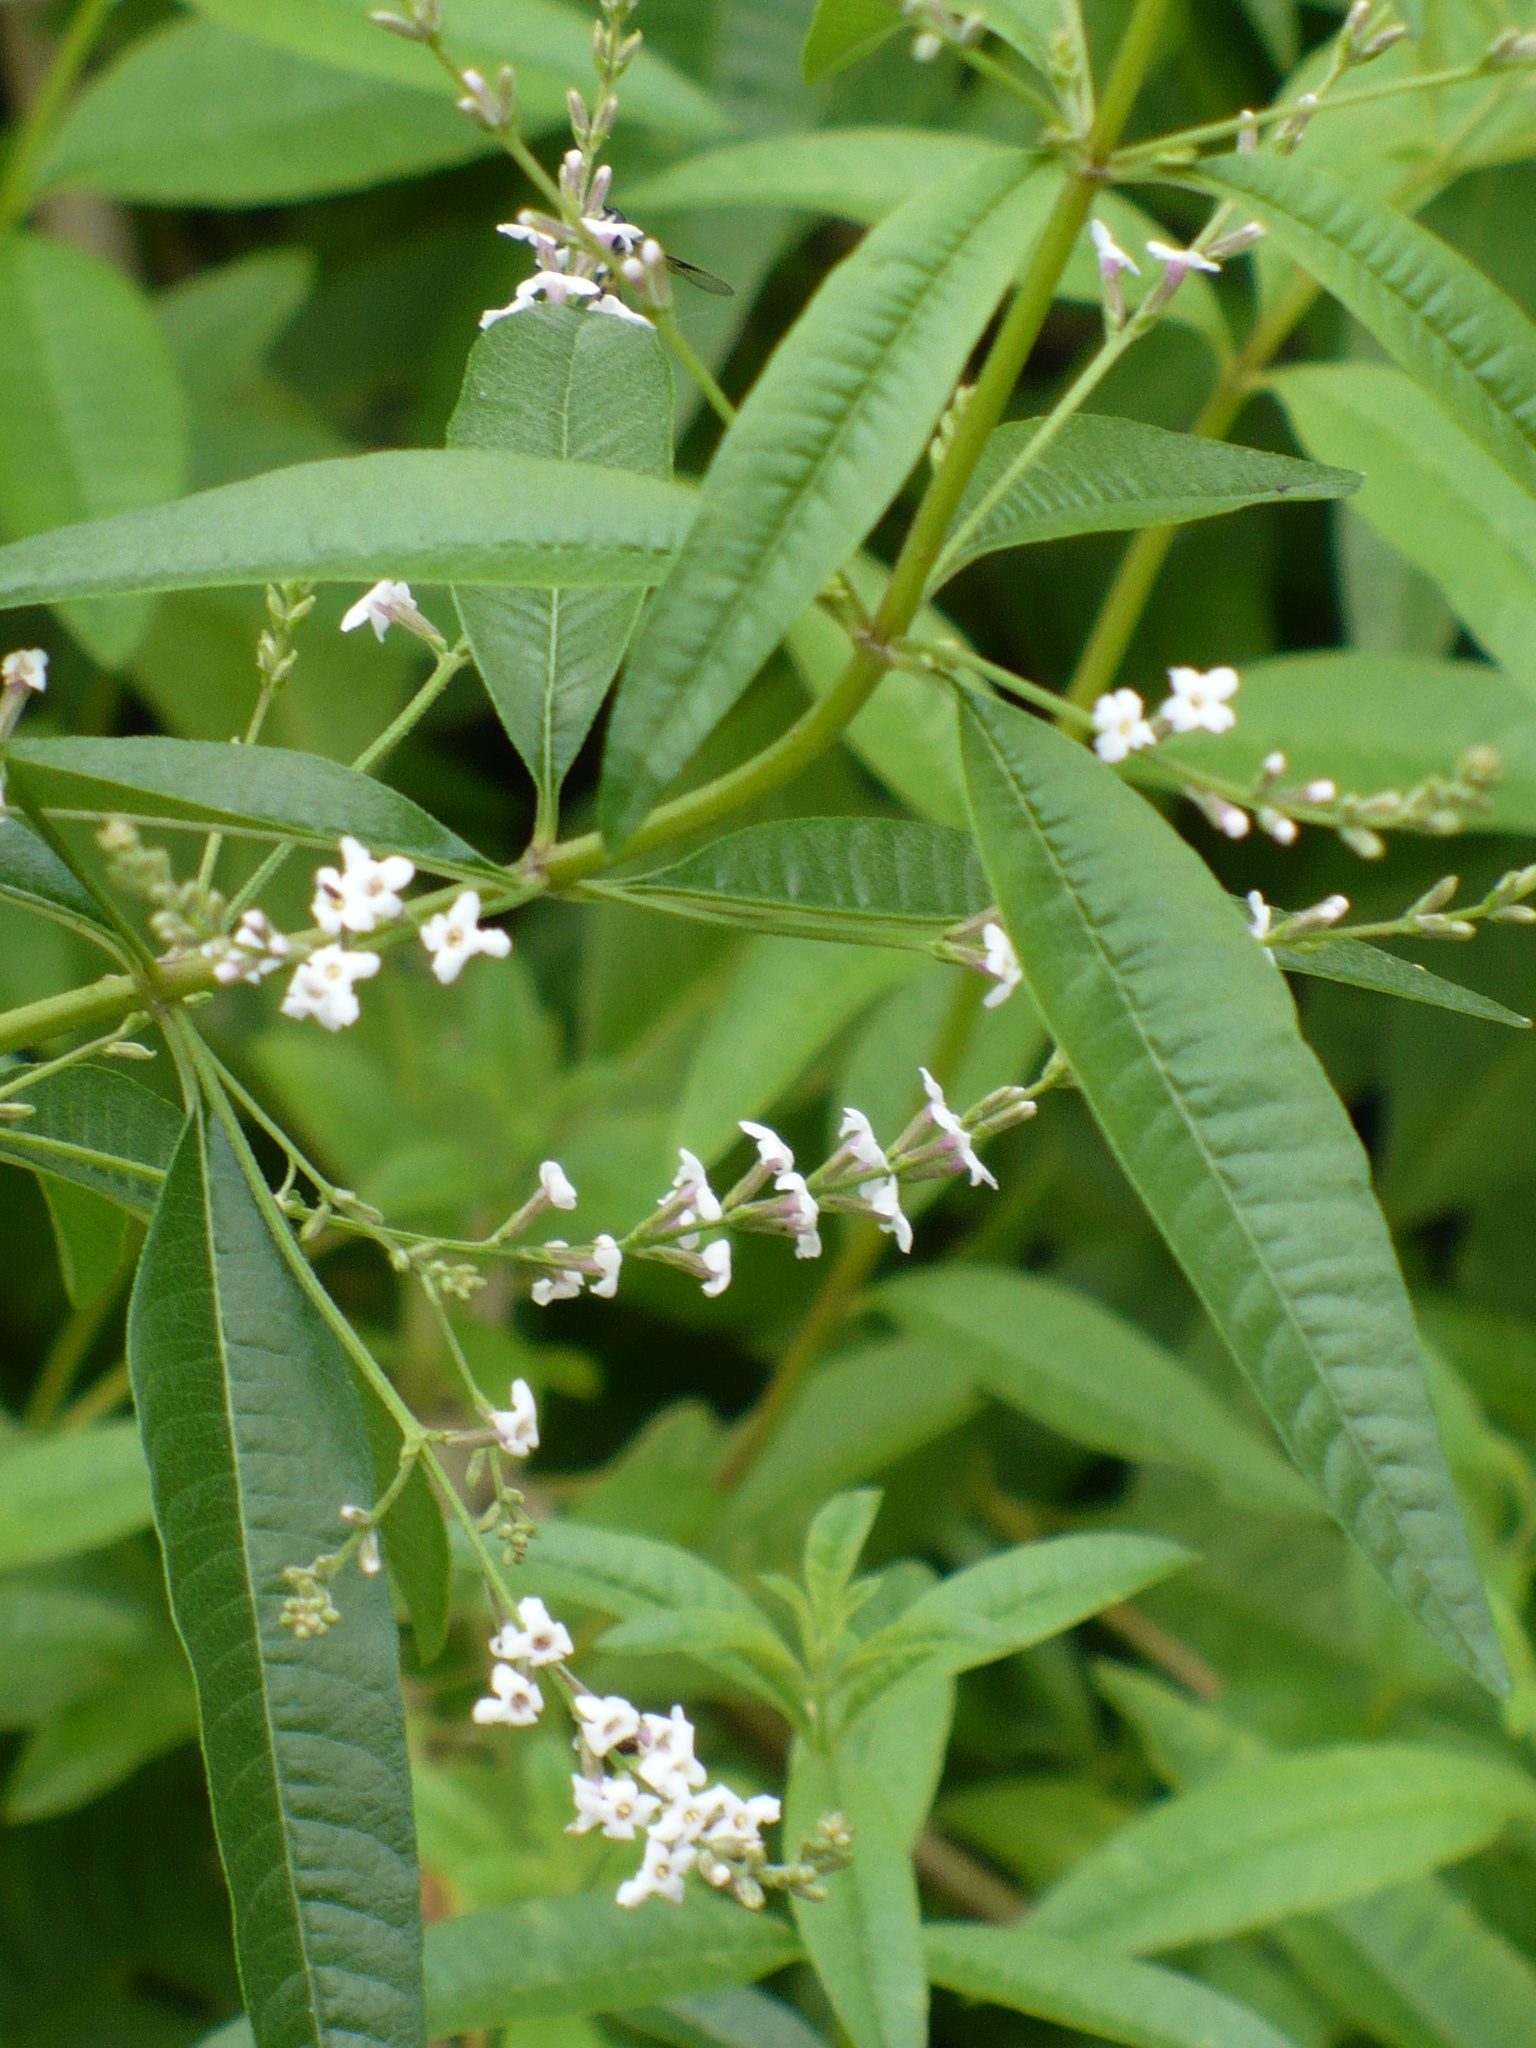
x=1298 y=924
x=982 y=945
x=253 y=950
x=939 y=28
x=1198 y=703
x=568 y=272
x=1177 y=265
x=391 y=604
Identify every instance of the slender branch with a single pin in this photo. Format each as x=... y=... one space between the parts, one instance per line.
x=37 y=130
x=1003 y=75
x=665 y=323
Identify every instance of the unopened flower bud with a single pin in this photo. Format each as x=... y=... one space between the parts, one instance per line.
x=1248 y=134
x=1283 y=830
x=1361 y=840
x=397 y=25
x=581 y=126
x=1437 y=897
x=926 y=47
x=1513 y=46
x=1275 y=765
x=1324 y=791
x=1240 y=239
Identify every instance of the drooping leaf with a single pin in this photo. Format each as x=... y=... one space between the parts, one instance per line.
x=1005 y=1604
x=1184 y=1043
x=1106 y=475
x=60 y=1495
x=542 y=1958
x=1432 y=494
x=548 y=46
x=92 y=420
x=1074 y=1365
x=1090 y=1988
x=1439 y=318
x=558 y=384
x=255 y=1438
x=32 y=875
x=99 y=1130
x=820 y=448
x=260 y=792
x=1295 y=1834
x=857 y=174
x=876 y=881
x=1359 y=965
x=192 y=115
x=439 y=515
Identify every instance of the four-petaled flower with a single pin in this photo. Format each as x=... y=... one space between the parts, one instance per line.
x=606 y=1723
x=454 y=937
x=322 y=987
x=1199 y=700
x=661 y=1875
x=957 y=1139
x=387 y=604
x=364 y=894
x=616 y=1805
x=1002 y=963
x=1121 y=726
x=513 y=1701
x=740 y=1822
x=517 y=1427
x=537 y=1639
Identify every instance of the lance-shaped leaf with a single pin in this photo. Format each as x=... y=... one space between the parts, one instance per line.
x=101 y=1131
x=872 y=881
x=1184 y=1042
x=558 y=384
x=1090 y=1989
x=833 y=426
x=440 y=515
x=257 y=792
x=1080 y=1369
x=33 y=876
x=1358 y=965
x=1295 y=1834
x=60 y=1495
x=1105 y=475
x=858 y=174
x=255 y=1439
x=1005 y=1604
x=544 y=1958
x=1435 y=314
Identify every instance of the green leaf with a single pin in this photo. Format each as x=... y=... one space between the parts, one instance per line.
x=542 y=1958
x=783 y=1006
x=865 y=1937
x=92 y=420
x=191 y=115
x=439 y=515
x=833 y=1543
x=548 y=45
x=876 y=881
x=90 y=1236
x=1090 y=1989
x=1439 y=318
x=1106 y=475
x=60 y=1641
x=558 y=384
x=844 y=31
x=1005 y=1604
x=1359 y=965
x=1184 y=1043
x=1074 y=1365
x=857 y=174
x=725 y=2019
x=101 y=1131
x=32 y=875
x=60 y=1495
x=822 y=445
x=255 y=1438
x=1294 y=1834
x=146 y=1707
x=1380 y=721
x=694 y=1630
x=259 y=792
x=1432 y=494
x=415 y=1539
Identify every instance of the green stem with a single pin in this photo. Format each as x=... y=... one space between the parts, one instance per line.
x=99 y=1398
x=948 y=657
x=30 y=1076
x=37 y=130
x=215 y=845
x=1009 y=80
x=666 y=325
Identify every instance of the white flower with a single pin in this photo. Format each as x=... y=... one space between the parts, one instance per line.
x=1112 y=258
x=1199 y=700
x=741 y=1822
x=771 y=1148
x=364 y=894
x=563 y=1285
x=1233 y=820
x=514 y=1701
x=859 y=1138
x=1180 y=262
x=701 y=1203
x=957 y=1140
x=1275 y=765
x=517 y=1427
x=609 y=304
x=717 y=1257
x=667 y=1762
x=606 y=1723
x=322 y=987
x=1261 y=915
x=606 y=1254
x=926 y=47
x=616 y=1805
x=547 y=252
x=454 y=937
x=558 y=1191
x=381 y=608
x=614 y=234
x=802 y=1215
x=537 y=1639
x=25 y=669
x=1002 y=963
x=254 y=950
x=660 y=1876
x=1121 y=726
x=370 y=1560
x=1324 y=791
x=884 y=1199
x=1283 y=830
x=554 y=287
x=687 y=1818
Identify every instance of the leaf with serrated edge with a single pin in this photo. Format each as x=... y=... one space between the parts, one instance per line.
x=442 y=515
x=255 y=1439
x=1184 y=1042
x=822 y=445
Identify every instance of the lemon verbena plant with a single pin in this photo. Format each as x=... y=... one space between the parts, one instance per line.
x=804 y=1300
